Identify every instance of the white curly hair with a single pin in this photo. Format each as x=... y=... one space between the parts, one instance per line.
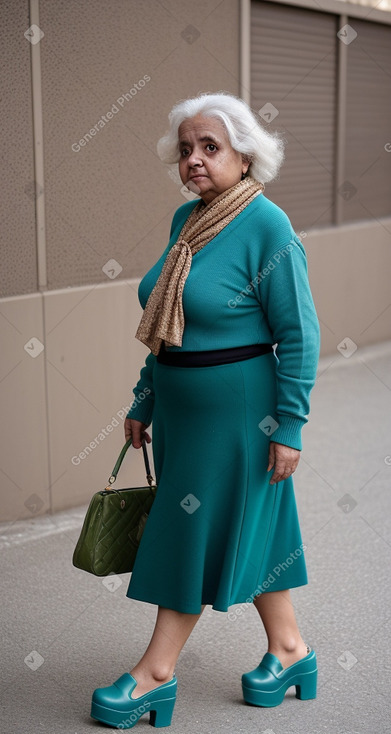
x=246 y=134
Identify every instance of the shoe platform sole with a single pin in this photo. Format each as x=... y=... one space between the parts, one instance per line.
x=160 y=714
x=305 y=684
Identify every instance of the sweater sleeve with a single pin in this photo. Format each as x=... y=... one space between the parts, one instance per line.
x=286 y=298
x=144 y=397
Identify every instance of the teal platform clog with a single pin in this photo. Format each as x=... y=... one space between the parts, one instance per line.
x=268 y=683
x=115 y=706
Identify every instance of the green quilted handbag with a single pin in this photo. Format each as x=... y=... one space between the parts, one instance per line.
x=114 y=524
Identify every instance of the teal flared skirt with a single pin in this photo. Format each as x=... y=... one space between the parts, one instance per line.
x=218 y=532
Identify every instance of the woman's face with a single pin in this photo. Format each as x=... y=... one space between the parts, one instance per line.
x=208 y=165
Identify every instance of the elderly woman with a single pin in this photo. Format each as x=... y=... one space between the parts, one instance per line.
x=227 y=411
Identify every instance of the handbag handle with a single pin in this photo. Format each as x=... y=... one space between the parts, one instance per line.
x=119 y=461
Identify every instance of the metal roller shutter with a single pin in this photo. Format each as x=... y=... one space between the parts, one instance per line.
x=368 y=122
x=293 y=67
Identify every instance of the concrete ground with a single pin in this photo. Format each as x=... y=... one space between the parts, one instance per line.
x=65 y=632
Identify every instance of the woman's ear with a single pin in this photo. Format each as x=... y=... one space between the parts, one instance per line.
x=246 y=162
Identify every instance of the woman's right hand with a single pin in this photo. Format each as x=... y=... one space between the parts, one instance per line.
x=136 y=430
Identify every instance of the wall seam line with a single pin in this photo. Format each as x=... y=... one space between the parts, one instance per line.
x=39 y=178
x=341 y=111
x=39 y=182
x=47 y=416
x=244 y=51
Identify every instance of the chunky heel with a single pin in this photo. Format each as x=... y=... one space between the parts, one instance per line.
x=306 y=686
x=161 y=713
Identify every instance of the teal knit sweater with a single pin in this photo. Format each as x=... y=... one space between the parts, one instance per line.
x=248 y=285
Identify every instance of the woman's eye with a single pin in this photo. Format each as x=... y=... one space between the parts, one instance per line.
x=210 y=147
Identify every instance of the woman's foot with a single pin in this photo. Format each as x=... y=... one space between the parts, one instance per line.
x=116 y=707
x=288 y=657
x=267 y=684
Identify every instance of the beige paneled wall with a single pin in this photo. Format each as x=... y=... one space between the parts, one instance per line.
x=24 y=460
x=350 y=270
x=93 y=361
x=69 y=359
x=71 y=362
x=114 y=68
x=120 y=66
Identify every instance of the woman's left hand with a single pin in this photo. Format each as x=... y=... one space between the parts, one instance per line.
x=284 y=459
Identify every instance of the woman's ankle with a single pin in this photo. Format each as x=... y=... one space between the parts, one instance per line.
x=289 y=647
x=155 y=676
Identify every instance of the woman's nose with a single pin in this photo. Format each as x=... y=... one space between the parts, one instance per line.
x=194 y=159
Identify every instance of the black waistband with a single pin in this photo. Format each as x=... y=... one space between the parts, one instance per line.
x=211 y=357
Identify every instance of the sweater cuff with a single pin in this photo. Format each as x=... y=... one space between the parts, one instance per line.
x=142 y=411
x=289 y=431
